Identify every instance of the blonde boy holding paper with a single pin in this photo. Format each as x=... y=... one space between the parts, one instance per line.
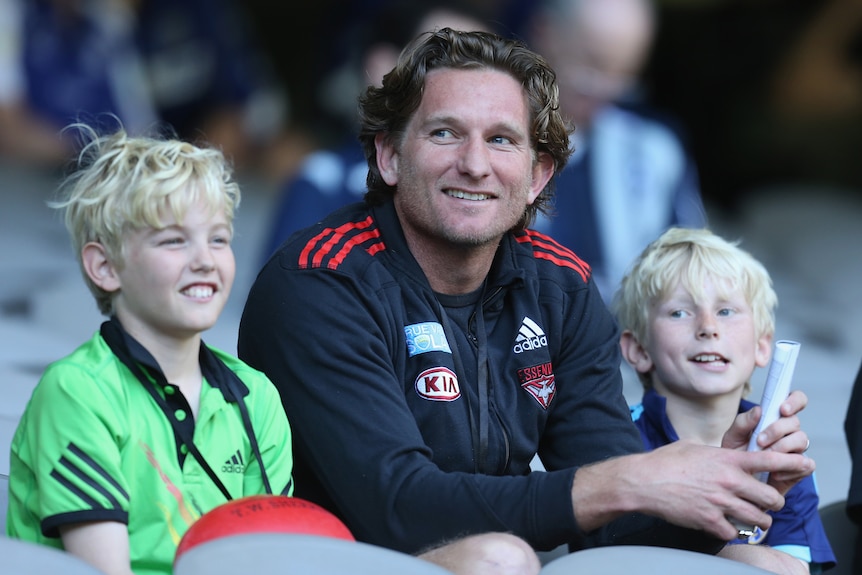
x=697 y=317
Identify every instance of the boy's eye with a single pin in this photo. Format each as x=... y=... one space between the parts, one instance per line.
x=171 y=241
x=678 y=313
x=725 y=311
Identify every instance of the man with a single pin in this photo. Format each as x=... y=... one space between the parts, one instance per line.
x=630 y=177
x=427 y=345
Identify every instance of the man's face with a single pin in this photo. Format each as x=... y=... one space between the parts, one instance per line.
x=464 y=167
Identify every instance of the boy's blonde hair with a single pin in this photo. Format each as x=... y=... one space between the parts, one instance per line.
x=125 y=183
x=688 y=256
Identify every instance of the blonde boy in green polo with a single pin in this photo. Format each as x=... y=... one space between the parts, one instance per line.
x=132 y=437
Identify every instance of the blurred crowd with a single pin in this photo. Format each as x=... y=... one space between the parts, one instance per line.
x=752 y=93
x=191 y=68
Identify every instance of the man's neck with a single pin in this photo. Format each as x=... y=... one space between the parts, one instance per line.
x=453 y=270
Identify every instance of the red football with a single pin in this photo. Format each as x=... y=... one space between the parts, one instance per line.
x=263 y=514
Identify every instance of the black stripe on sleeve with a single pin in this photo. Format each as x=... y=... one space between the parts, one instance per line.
x=98 y=469
x=74 y=489
x=78 y=472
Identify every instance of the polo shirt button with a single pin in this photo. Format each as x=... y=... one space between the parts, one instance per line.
x=180 y=415
x=184 y=449
x=170 y=389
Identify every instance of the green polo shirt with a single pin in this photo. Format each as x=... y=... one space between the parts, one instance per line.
x=93 y=445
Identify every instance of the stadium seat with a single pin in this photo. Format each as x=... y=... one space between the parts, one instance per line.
x=4 y=501
x=643 y=560
x=17 y=557
x=843 y=535
x=293 y=554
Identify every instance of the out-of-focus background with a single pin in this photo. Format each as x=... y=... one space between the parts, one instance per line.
x=765 y=96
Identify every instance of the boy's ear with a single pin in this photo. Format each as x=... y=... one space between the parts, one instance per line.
x=763 y=352
x=98 y=267
x=634 y=353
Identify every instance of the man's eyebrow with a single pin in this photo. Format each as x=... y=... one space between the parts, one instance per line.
x=439 y=119
x=502 y=126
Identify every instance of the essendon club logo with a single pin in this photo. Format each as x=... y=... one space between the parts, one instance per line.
x=538 y=381
x=438 y=384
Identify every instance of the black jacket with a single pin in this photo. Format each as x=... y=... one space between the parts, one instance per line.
x=397 y=430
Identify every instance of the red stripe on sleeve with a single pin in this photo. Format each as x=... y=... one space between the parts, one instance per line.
x=318 y=248
x=546 y=248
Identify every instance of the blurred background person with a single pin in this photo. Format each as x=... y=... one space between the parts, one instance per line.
x=631 y=176
x=332 y=177
x=192 y=66
x=62 y=60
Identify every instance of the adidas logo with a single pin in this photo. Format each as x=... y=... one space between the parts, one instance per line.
x=234 y=464
x=530 y=336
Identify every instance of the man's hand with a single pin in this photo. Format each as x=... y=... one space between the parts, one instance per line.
x=687 y=484
x=785 y=435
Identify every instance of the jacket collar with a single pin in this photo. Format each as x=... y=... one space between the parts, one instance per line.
x=505 y=270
